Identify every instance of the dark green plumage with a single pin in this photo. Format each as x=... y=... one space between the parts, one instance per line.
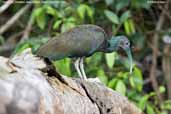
x=83 y=41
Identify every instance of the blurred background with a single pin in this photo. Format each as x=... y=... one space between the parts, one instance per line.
x=147 y=24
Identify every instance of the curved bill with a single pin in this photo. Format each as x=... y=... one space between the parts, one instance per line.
x=128 y=52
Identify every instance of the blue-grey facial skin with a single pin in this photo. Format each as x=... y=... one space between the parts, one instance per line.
x=122 y=42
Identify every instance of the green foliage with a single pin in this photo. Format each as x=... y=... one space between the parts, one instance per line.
x=150 y=109
x=102 y=76
x=143 y=101
x=112 y=83
x=120 y=4
x=39 y=15
x=124 y=17
x=120 y=87
x=2 y=41
x=57 y=24
x=84 y=9
x=129 y=27
x=33 y=43
x=119 y=83
x=112 y=16
x=140 y=4
x=110 y=59
x=111 y=68
x=63 y=66
x=136 y=79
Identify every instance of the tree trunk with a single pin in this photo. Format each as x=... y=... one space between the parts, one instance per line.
x=26 y=88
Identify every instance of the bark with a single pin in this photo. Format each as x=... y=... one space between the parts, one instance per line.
x=26 y=88
x=166 y=64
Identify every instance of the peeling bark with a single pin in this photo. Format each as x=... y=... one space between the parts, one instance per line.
x=26 y=89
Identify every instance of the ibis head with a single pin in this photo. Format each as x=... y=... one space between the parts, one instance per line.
x=117 y=42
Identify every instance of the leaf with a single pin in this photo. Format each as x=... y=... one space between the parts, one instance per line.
x=123 y=75
x=41 y=21
x=112 y=83
x=66 y=26
x=37 y=11
x=63 y=66
x=150 y=109
x=164 y=112
x=143 y=102
x=90 y=12
x=131 y=80
x=69 y=10
x=125 y=16
x=22 y=47
x=136 y=80
x=56 y=24
x=33 y=43
x=71 y=19
x=51 y=11
x=120 y=87
x=82 y=9
x=102 y=76
x=162 y=89
x=112 y=16
x=39 y=14
x=129 y=26
x=132 y=28
x=114 y=28
x=109 y=2
x=166 y=105
x=126 y=26
x=2 y=41
x=122 y=4
x=140 y=4
x=110 y=59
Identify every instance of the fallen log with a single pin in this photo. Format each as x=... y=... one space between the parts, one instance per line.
x=26 y=88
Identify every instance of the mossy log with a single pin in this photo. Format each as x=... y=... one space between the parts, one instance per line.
x=26 y=88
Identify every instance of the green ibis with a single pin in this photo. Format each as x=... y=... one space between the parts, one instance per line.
x=83 y=41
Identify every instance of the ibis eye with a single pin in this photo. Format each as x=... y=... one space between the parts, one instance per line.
x=127 y=43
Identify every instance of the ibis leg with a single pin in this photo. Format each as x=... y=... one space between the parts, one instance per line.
x=82 y=68
x=77 y=62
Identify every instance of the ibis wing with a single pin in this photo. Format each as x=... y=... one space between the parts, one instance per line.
x=75 y=43
x=55 y=48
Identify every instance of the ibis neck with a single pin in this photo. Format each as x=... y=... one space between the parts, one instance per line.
x=112 y=46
